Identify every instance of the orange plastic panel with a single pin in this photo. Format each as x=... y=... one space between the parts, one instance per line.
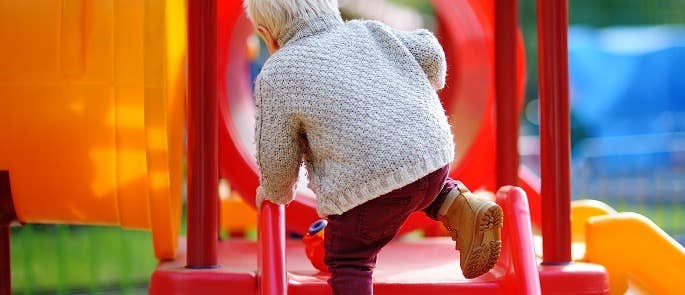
x=236 y=215
x=92 y=112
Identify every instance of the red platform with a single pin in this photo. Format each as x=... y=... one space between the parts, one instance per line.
x=404 y=267
x=430 y=266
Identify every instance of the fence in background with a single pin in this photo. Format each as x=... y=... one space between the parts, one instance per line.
x=640 y=173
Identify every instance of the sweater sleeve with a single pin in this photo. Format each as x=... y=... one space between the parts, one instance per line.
x=428 y=52
x=278 y=152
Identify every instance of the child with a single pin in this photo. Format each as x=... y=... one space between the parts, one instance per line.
x=356 y=103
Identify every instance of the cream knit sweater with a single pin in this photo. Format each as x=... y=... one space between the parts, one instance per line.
x=356 y=103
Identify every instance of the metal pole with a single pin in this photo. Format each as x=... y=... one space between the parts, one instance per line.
x=555 y=148
x=203 y=200
x=506 y=30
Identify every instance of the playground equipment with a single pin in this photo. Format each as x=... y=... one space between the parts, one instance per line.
x=228 y=266
x=104 y=131
x=92 y=113
x=397 y=272
x=614 y=240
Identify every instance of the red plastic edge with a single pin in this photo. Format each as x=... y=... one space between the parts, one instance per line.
x=574 y=279
x=271 y=269
x=169 y=282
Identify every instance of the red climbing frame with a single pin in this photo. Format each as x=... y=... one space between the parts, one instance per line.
x=516 y=270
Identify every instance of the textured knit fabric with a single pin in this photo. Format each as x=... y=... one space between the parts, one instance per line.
x=356 y=103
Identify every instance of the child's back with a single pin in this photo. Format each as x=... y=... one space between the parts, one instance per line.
x=362 y=98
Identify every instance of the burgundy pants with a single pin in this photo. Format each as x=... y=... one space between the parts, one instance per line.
x=353 y=239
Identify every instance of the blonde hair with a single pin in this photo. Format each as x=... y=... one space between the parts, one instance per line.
x=275 y=15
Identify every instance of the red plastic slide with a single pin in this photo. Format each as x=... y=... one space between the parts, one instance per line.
x=465 y=29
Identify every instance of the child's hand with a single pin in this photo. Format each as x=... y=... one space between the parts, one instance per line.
x=259 y=200
x=279 y=199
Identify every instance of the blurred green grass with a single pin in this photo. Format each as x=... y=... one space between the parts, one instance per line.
x=422 y=6
x=668 y=217
x=63 y=259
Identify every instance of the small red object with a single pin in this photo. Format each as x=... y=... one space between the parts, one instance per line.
x=313 y=244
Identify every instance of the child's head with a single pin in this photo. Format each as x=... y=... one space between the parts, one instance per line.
x=271 y=17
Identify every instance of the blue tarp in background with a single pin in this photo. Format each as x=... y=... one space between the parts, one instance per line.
x=627 y=81
x=628 y=98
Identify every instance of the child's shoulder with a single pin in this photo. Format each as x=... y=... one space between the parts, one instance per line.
x=368 y=24
x=282 y=65
x=277 y=64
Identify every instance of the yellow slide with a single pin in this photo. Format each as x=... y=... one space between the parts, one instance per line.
x=634 y=250
x=91 y=112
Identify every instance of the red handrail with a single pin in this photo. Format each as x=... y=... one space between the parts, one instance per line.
x=271 y=269
x=555 y=149
x=203 y=176
x=506 y=91
x=519 y=236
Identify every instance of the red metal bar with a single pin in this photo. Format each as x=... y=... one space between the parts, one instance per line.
x=7 y=216
x=271 y=272
x=203 y=199
x=506 y=30
x=555 y=148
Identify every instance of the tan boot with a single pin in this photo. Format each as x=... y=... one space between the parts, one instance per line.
x=476 y=226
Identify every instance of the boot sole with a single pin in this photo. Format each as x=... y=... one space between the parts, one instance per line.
x=486 y=242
